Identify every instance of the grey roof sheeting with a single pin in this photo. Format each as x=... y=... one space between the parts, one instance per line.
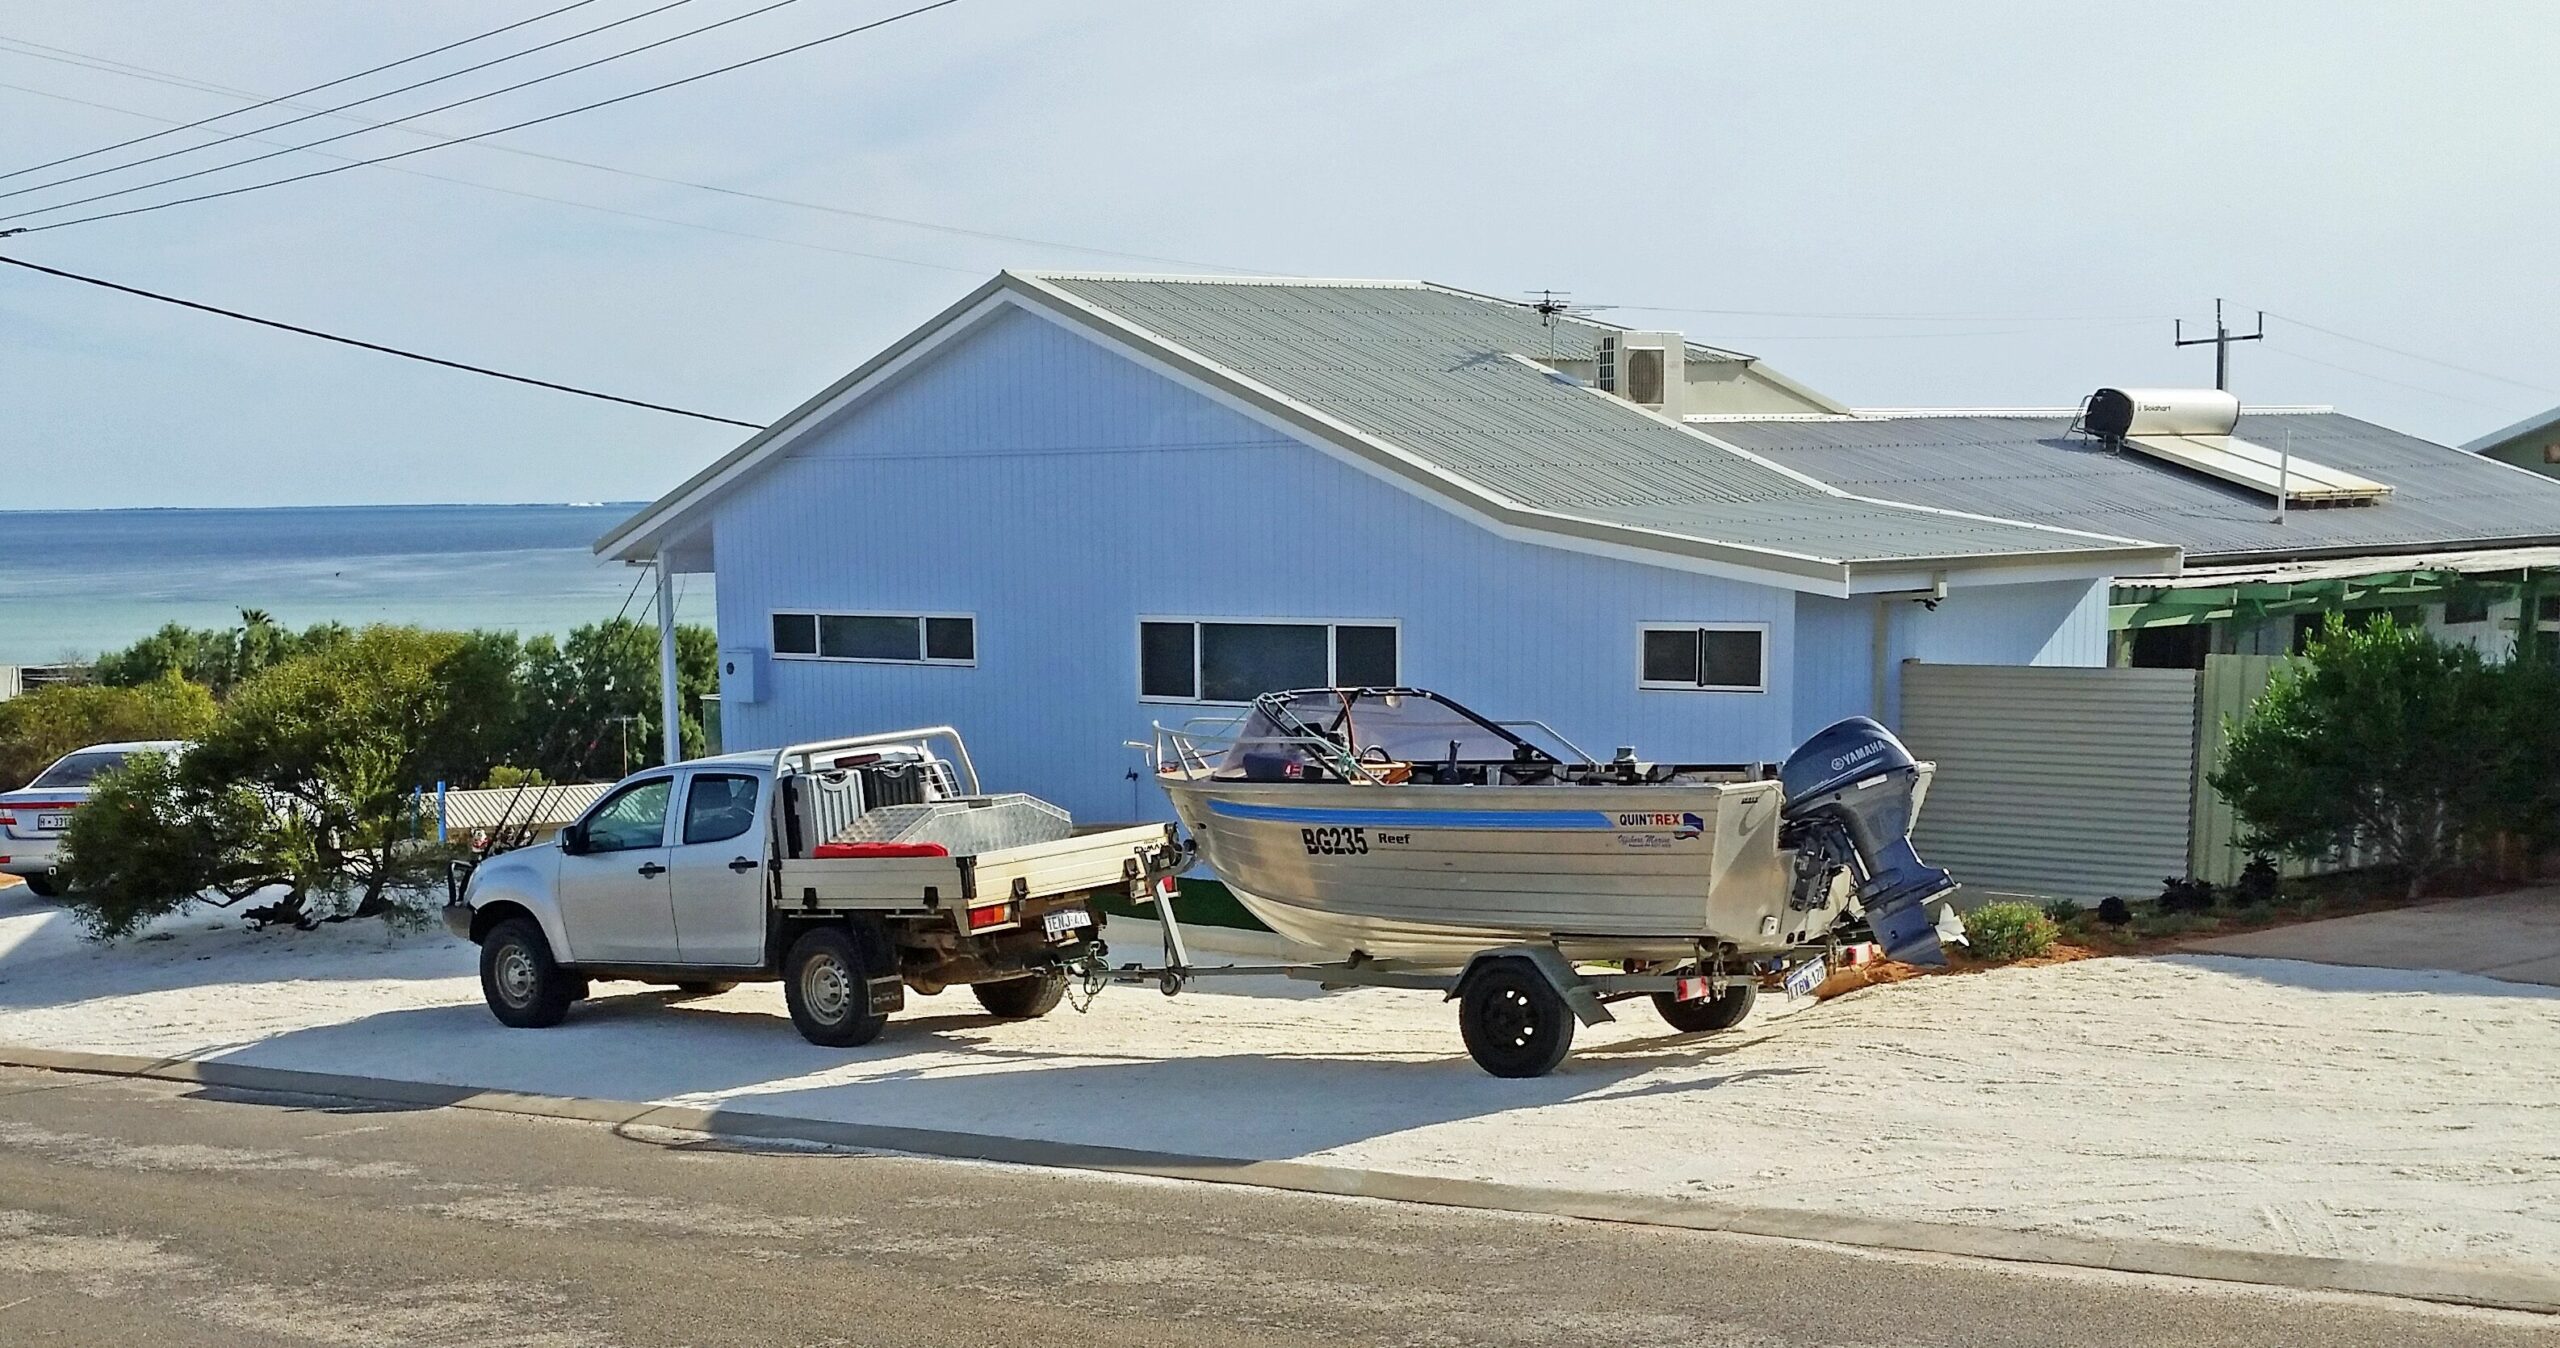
x=2033 y=468
x=1445 y=377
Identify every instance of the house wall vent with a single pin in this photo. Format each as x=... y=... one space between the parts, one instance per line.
x=1649 y=369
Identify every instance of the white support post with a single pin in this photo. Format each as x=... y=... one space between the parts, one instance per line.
x=670 y=699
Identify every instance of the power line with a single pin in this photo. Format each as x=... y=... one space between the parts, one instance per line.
x=298 y=93
x=429 y=112
x=2412 y=355
x=556 y=201
x=323 y=112
x=2380 y=378
x=516 y=126
x=1892 y=317
x=179 y=81
x=376 y=346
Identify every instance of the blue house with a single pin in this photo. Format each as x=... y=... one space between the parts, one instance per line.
x=1071 y=505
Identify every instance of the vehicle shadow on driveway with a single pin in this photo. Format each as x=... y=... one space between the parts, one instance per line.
x=943 y=1072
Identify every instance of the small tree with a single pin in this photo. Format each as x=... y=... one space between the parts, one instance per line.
x=2382 y=738
x=43 y=725
x=302 y=784
x=582 y=696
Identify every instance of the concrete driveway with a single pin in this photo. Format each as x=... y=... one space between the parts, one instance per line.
x=2514 y=937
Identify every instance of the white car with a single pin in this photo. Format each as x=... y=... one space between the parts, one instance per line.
x=33 y=817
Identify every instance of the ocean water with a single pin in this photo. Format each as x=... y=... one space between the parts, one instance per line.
x=76 y=582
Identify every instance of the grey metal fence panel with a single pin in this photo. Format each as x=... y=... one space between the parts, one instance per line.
x=2065 y=782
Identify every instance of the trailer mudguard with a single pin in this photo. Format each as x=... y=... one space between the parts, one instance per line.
x=1551 y=965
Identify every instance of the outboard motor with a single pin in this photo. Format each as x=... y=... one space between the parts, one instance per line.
x=1849 y=792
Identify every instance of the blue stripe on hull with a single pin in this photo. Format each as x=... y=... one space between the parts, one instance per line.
x=1519 y=819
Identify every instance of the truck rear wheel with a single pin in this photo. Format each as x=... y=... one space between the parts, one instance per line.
x=1027 y=998
x=1514 y=1021
x=1705 y=1014
x=523 y=985
x=826 y=981
x=42 y=886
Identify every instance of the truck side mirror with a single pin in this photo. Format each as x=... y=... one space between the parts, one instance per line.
x=573 y=839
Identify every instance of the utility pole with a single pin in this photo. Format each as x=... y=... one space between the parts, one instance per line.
x=2221 y=341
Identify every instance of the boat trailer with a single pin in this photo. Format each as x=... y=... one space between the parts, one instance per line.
x=1518 y=1004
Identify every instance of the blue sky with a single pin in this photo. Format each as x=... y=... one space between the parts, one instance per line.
x=2026 y=192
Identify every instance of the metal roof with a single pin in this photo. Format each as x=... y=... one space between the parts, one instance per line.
x=2034 y=468
x=1441 y=391
x=1451 y=378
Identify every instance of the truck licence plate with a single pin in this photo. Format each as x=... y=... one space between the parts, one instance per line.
x=1065 y=920
x=53 y=823
x=1805 y=977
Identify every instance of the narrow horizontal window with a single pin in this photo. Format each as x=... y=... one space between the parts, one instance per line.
x=1236 y=660
x=1729 y=659
x=950 y=639
x=2466 y=608
x=1168 y=660
x=904 y=638
x=1364 y=657
x=845 y=636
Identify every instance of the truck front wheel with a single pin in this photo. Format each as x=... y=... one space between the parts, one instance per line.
x=826 y=981
x=1026 y=998
x=524 y=986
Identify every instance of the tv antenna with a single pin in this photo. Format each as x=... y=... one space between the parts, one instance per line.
x=2221 y=341
x=1553 y=304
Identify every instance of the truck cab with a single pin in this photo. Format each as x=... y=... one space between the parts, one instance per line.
x=851 y=870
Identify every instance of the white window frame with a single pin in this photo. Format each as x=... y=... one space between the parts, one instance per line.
x=918 y=614
x=1669 y=686
x=1332 y=657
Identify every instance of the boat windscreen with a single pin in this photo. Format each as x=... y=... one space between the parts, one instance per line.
x=1398 y=725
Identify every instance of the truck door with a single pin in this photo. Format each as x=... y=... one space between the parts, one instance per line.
x=718 y=871
x=614 y=894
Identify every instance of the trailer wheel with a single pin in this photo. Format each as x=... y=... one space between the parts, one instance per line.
x=1027 y=998
x=826 y=981
x=1514 y=1022
x=1720 y=1012
x=523 y=985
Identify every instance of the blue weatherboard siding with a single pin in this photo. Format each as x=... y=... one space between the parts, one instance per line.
x=1057 y=490
x=1521 y=819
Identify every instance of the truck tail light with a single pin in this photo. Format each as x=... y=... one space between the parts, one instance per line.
x=993 y=915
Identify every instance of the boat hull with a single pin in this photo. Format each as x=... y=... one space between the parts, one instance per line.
x=1437 y=874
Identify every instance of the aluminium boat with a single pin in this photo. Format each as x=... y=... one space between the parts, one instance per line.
x=1395 y=824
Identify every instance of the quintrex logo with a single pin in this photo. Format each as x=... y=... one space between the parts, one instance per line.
x=1679 y=825
x=1858 y=755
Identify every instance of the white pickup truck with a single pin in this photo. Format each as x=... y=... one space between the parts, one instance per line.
x=851 y=870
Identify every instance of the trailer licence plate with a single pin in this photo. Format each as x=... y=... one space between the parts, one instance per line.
x=1805 y=977
x=1065 y=920
x=53 y=823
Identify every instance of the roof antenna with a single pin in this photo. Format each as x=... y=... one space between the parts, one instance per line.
x=1549 y=304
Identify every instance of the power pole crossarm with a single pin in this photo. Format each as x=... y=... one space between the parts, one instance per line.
x=2221 y=341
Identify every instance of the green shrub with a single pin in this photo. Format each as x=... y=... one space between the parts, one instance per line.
x=2001 y=932
x=2064 y=912
x=2387 y=739
x=2259 y=881
x=43 y=725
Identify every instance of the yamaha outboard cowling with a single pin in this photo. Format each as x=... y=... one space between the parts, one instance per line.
x=1854 y=783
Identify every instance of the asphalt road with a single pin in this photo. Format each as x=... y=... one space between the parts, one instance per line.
x=174 y=1215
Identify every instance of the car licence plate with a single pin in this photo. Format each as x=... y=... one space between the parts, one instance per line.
x=53 y=823
x=1805 y=977
x=1065 y=920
